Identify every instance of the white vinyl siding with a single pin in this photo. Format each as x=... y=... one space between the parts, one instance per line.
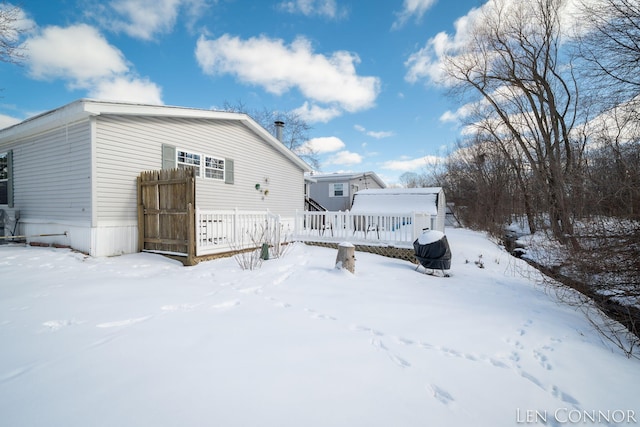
x=254 y=162
x=52 y=175
x=127 y=145
x=124 y=148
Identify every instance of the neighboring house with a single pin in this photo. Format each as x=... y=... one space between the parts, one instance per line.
x=73 y=170
x=334 y=191
x=428 y=201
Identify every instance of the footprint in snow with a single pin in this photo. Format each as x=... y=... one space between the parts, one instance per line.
x=178 y=307
x=226 y=304
x=255 y=290
x=567 y=398
x=404 y=341
x=399 y=361
x=323 y=316
x=120 y=323
x=466 y=356
x=316 y=315
x=360 y=328
x=55 y=325
x=440 y=394
x=282 y=278
x=377 y=343
x=542 y=359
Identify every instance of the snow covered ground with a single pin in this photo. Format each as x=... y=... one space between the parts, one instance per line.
x=139 y=340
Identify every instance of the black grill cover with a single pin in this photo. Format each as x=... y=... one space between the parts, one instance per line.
x=436 y=255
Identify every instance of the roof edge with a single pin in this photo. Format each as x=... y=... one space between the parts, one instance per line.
x=350 y=175
x=85 y=108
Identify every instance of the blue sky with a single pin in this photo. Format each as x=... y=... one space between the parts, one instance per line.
x=359 y=72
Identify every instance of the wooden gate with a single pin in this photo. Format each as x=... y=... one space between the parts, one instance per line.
x=166 y=212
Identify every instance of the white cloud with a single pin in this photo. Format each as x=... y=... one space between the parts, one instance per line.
x=128 y=89
x=279 y=68
x=449 y=116
x=423 y=64
x=380 y=134
x=462 y=113
x=322 y=145
x=6 y=121
x=82 y=57
x=326 y=8
x=373 y=134
x=78 y=52
x=345 y=158
x=411 y=164
x=411 y=8
x=316 y=114
x=426 y=63
x=144 y=19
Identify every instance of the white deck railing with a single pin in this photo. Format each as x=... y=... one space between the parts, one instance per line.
x=225 y=231
x=399 y=230
x=230 y=230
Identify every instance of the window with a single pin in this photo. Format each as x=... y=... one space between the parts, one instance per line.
x=338 y=190
x=189 y=160
x=213 y=168
x=4 y=179
x=208 y=167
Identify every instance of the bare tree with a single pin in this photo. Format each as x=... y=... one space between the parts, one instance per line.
x=481 y=181
x=11 y=49
x=294 y=133
x=529 y=121
x=410 y=180
x=610 y=43
x=513 y=63
x=503 y=149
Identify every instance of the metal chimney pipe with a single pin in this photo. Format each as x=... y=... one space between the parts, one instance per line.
x=279 y=126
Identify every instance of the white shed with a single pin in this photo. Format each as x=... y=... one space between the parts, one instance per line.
x=430 y=201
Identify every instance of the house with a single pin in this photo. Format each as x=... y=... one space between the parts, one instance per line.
x=429 y=202
x=334 y=191
x=71 y=172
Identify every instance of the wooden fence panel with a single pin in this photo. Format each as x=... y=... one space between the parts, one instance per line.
x=166 y=200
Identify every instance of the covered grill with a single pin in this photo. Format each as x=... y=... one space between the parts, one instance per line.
x=432 y=250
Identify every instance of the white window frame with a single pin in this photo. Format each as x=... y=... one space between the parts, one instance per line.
x=189 y=160
x=206 y=166
x=214 y=168
x=344 y=188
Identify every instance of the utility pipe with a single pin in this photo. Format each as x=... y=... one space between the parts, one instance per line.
x=34 y=235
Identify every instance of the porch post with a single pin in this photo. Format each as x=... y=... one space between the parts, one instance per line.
x=191 y=236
